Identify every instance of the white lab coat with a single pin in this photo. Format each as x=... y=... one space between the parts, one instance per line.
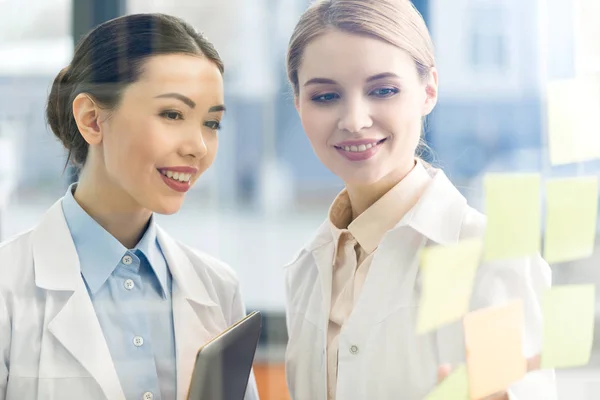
x=51 y=343
x=389 y=361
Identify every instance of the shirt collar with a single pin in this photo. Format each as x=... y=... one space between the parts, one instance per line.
x=100 y=253
x=439 y=213
x=369 y=227
x=150 y=248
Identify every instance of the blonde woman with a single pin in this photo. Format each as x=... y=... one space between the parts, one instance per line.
x=364 y=77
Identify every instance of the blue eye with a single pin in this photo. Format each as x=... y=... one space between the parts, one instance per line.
x=325 y=98
x=214 y=125
x=171 y=115
x=385 y=92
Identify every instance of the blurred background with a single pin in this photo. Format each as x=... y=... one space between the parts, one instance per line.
x=267 y=192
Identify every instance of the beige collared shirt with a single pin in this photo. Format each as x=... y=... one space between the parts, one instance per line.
x=355 y=244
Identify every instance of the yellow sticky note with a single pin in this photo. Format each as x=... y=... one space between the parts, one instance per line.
x=447 y=274
x=512 y=206
x=568 y=333
x=573 y=120
x=571 y=212
x=493 y=339
x=454 y=387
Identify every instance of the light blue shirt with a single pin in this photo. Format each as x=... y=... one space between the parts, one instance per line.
x=131 y=294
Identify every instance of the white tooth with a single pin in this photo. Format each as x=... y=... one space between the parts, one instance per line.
x=170 y=174
x=176 y=176
x=369 y=146
x=353 y=148
x=347 y=148
x=362 y=147
x=188 y=177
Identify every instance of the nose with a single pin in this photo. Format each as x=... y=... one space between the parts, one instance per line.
x=194 y=145
x=355 y=116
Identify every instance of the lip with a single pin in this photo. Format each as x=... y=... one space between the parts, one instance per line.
x=359 y=156
x=180 y=169
x=178 y=186
x=358 y=142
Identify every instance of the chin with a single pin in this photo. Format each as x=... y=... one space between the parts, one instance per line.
x=358 y=179
x=167 y=207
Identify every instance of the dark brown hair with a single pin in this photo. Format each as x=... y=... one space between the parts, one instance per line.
x=108 y=59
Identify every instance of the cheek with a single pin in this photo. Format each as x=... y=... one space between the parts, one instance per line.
x=318 y=124
x=134 y=146
x=402 y=120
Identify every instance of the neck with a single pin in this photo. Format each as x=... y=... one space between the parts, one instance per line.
x=114 y=209
x=364 y=196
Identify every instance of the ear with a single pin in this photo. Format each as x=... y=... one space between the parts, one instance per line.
x=87 y=114
x=297 y=103
x=431 y=91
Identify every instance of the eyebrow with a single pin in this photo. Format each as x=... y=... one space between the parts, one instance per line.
x=190 y=102
x=383 y=75
x=179 y=97
x=220 y=107
x=326 y=81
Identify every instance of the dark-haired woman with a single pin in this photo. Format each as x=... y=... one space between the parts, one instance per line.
x=97 y=302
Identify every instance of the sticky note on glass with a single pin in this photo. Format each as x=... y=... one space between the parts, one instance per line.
x=447 y=274
x=512 y=206
x=571 y=213
x=573 y=120
x=493 y=339
x=568 y=334
x=454 y=387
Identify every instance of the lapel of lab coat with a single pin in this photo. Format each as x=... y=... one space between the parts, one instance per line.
x=322 y=249
x=75 y=324
x=195 y=319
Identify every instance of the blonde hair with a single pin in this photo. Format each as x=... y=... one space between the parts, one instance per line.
x=396 y=22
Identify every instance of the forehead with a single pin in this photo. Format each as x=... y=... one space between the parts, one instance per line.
x=188 y=74
x=347 y=57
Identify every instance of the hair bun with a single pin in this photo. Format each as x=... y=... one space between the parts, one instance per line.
x=56 y=114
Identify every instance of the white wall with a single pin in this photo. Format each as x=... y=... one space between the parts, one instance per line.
x=452 y=25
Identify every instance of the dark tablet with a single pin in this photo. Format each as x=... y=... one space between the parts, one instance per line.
x=223 y=364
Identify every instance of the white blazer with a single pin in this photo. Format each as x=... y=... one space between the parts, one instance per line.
x=51 y=343
x=380 y=356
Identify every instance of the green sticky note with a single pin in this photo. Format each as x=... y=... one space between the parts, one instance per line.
x=454 y=387
x=573 y=120
x=447 y=274
x=568 y=332
x=512 y=206
x=572 y=209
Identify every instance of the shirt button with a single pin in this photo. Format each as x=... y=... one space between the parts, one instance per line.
x=148 y=396
x=127 y=260
x=354 y=349
x=138 y=341
x=129 y=284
